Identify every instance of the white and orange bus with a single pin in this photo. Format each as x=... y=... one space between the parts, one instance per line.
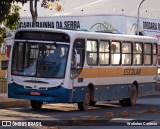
x=68 y=66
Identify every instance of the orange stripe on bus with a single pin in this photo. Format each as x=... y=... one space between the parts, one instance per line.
x=117 y=72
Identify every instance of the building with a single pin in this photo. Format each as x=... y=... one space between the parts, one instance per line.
x=3 y=62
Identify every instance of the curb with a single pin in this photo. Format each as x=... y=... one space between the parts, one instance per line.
x=11 y=104
x=6 y=102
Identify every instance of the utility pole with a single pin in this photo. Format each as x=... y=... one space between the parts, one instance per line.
x=138 y=16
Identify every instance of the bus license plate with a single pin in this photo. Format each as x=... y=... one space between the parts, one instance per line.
x=35 y=93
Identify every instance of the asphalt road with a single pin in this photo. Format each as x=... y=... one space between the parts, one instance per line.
x=103 y=115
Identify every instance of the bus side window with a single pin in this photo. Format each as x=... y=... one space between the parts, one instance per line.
x=137 y=54
x=115 y=53
x=104 y=52
x=147 y=54
x=91 y=48
x=126 y=53
x=90 y=58
x=154 y=54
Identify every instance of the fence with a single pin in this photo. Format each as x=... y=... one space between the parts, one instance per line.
x=3 y=85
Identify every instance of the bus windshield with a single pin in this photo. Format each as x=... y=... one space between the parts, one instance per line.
x=39 y=59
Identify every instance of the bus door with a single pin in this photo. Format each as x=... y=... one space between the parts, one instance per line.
x=77 y=62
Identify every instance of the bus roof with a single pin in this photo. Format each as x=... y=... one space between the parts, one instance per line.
x=98 y=35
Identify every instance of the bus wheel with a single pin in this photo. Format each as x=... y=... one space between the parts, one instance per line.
x=36 y=105
x=133 y=97
x=83 y=106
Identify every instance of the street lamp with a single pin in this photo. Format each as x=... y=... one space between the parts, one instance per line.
x=138 y=16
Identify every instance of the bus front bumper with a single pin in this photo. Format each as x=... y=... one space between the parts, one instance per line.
x=56 y=94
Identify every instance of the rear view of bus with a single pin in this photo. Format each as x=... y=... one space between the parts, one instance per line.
x=38 y=66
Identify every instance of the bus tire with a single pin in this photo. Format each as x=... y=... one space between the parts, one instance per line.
x=133 y=97
x=83 y=106
x=36 y=105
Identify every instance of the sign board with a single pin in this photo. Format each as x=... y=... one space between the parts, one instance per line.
x=120 y=24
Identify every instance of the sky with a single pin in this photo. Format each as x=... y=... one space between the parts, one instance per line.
x=148 y=9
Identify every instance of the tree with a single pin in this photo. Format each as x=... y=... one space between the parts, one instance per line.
x=45 y=4
x=2 y=35
x=4 y=9
x=5 y=6
x=11 y=17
